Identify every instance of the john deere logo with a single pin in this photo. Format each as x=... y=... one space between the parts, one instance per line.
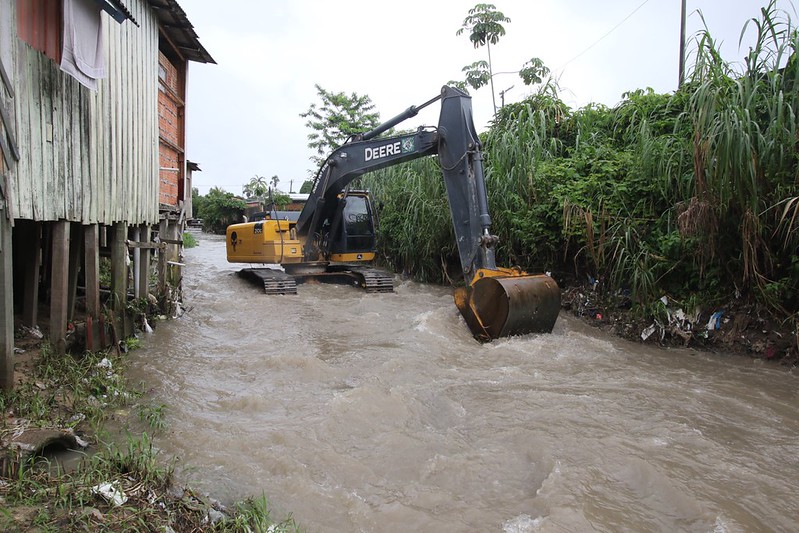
x=408 y=144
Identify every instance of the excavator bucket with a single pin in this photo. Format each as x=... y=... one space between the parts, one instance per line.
x=505 y=303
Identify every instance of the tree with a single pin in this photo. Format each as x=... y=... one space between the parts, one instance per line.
x=278 y=200
x=337 y=118
x=484 y=24
x=307 y=187
x=197 y=202
x=533 y=71
x=477 y=74
x=256 y=188
x=219 y=209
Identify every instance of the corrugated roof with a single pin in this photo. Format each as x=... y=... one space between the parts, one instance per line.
x=179 y=30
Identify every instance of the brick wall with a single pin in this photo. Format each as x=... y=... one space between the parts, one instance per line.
x=170 y=130
x=168 y=179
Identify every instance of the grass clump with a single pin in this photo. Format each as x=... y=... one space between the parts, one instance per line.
x=121 y=483
x=189 y=240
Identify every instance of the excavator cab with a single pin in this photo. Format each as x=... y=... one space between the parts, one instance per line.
x=353 y=237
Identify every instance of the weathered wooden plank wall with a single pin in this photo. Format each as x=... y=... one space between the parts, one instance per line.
x=91 y=157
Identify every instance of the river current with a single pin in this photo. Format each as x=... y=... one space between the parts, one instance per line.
x=366 y=412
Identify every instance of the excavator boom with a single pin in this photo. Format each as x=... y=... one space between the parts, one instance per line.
x=495 y=302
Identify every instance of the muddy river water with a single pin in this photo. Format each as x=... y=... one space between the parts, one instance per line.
x=358 y=412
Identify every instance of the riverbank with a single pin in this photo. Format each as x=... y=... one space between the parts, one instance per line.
x=735 y=327
x=63 y=470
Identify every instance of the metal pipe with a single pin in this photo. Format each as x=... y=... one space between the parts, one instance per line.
x=387 y=125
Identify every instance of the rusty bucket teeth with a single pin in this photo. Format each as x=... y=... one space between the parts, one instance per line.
x=501 y=306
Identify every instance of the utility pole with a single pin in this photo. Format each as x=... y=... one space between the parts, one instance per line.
x=682 y=47
x=502 y=96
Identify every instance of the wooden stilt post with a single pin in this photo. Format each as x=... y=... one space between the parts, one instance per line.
x=119 y=278
x=6 y=305
x=91 y=247
x=135 y=236
x=47 y=257
x=30 y=256
x=75 y=249
x=162 y=265
x=174 y=254
x=144 y=262
x=59 y=290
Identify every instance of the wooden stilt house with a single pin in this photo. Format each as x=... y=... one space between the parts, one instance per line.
x=92 y=163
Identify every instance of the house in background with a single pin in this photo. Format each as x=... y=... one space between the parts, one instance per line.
x=93 y=162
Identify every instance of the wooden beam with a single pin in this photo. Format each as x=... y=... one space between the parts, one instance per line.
x=7 y=124
x=168 y=39
x=30 y=256
x=91 y=274
x=162 y=266
x=91 y=247
x=75 y=249
x=144 y=261
x=134 y=236
x=146 y=245
x=119 y=279
x=6 y=306
x=59 y=286
x=6 y=81
x=173 y=257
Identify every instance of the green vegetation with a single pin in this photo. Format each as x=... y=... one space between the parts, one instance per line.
x=218 y=209
x=337 y=118
x=258 y=188
x=80 y=393
x=189 y=240
x=692 y=194
x=484 y=27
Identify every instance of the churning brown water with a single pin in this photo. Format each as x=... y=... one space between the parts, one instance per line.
x=361 y=412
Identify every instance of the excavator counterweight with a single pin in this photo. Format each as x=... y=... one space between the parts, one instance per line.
x=336 y=232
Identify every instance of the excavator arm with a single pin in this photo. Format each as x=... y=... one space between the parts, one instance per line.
x=496 y=302
x=458 y=147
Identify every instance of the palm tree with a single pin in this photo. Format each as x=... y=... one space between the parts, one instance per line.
x=257 y=188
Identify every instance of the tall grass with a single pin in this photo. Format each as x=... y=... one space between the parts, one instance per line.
x=416 y=233
x=745 y=132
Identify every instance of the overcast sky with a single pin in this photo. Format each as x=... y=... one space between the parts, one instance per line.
x=243 y=114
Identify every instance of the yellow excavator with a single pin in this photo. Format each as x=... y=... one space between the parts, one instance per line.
x=334 y=238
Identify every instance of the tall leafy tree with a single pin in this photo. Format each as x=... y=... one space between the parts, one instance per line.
x=484 y=24
x=337 y=117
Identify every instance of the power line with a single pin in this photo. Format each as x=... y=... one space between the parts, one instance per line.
x=608 y=33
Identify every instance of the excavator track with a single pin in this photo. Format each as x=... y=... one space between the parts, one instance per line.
x=274 y=281
x=370 y=279
x=376 y=280
x=278 y=282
